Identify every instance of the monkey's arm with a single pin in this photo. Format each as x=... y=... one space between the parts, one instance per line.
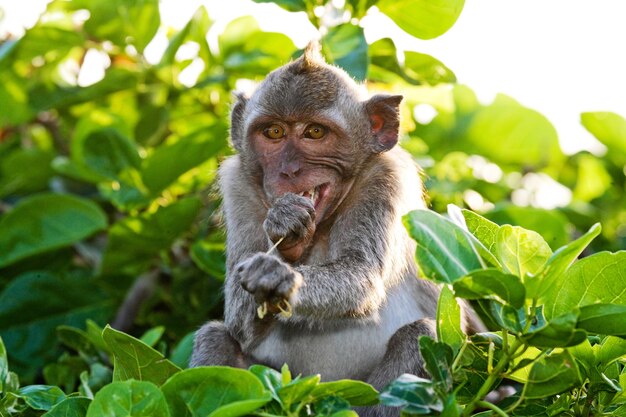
x=363 y=256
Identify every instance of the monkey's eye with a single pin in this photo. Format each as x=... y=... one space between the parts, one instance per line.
x=274 y=131
x=315 y=132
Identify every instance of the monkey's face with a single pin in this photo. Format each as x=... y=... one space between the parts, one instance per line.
x=310 y=157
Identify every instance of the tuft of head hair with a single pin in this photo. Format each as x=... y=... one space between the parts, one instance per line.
x=312 y=56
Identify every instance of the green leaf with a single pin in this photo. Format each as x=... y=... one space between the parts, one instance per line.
x=414 y=394
x=52 y=43
x=356 y=393
x=182 y=352
x=484 y=230
x=598 y=278
x=4 y=367
x=44 y=97
x=553 y=271
x=107 y=153
x=296 y=390
x=521 y=251
x=171 y=160
x=129 y=399
x=558 y=332
x=123 y=21
x=290 y=5
x=152 y=336
x=592 y=179
x=346 y=47
x=424 y=19
x=35 y=303
x=610 y=129
x=384 y=65
x=247 y=51
x=42 y=397
x=424 y=69
x=214 y=391
x=607 y=319
x=210 y=256
x=17 y=175
x=552 y=225
x=270 y=378
x=136 y=360
x=449 y=320
x=135 y=241
x=70 y=407
x=438 y=357
x=28 y=230
x=14 y=99
x=552 y=375
x=444 y=252
x=509 y=134
x=611 y=349
x=491 y=284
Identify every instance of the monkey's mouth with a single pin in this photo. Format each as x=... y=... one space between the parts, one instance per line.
x=316 y=194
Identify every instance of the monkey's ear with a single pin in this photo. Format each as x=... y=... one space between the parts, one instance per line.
x=236 y=121
x=383 y=111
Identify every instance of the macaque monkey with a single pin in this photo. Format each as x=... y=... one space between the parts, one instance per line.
x=313 y=204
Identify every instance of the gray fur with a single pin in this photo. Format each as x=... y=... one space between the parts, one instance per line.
x=358 y=305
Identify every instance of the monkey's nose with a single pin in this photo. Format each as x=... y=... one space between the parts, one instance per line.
x=290 y=170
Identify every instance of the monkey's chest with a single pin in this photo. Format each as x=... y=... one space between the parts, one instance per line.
x=349 y=348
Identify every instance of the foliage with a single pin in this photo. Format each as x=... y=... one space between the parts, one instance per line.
x=107 y=215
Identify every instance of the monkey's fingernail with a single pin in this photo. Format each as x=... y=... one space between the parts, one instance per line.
x=285 y=311
x=261 y=310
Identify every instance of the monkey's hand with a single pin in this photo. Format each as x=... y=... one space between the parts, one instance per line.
x=293 y=218
x=269 y=280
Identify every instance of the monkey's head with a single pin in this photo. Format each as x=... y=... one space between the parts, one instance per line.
x=309 y=129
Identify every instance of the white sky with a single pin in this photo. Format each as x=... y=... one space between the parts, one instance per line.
x=560 y=57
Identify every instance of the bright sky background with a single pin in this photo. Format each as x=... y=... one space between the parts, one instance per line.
x=560 y=57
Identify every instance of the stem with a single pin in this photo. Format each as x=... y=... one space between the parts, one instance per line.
x=492 y=407
x=502 y=364
x=455 y=364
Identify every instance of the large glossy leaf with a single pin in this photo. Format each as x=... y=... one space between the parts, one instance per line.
x=491 y=284
x=345 y=46
x=552 y=375
x=558 y=332
x=135 y=241
x=605 y=319
x=521 y=251
x=296 y=390
x=356 y=393
x=444 y=252
x=425 y=19
x=610 y=129
x=449 y=320
x=558 y=263
x=29 y=229
x=171 y=160
x=214 y=391
x=595 y=279
x=136 y=360
x=129 y=399
x=483 y=229
x=35 y=303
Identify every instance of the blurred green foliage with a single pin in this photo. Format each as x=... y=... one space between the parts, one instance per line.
x=107 y=189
